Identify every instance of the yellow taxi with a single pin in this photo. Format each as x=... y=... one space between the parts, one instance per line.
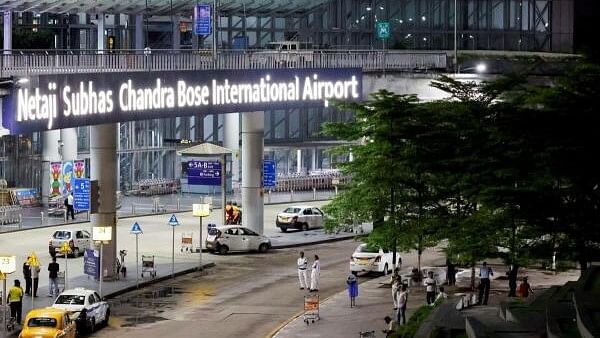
x=48 y=323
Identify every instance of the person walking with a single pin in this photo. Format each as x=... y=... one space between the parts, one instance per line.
x=27 y=276
x=35 y=278
x=352 y=283
x=315 y=274
x=396 y=281
x=15 y=301
x=430 y=286
x=69 y=205
x=450 y=272
x=53 y=269
x=485 y=272
x=402 y=301
x=302 y=264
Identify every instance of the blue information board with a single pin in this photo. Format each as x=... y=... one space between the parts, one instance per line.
x=202 y=19
x=81 y=194
x=204 y=172
x=91 y=263
x=269 y=174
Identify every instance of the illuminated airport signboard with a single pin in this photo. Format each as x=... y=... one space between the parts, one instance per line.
x=71 y=100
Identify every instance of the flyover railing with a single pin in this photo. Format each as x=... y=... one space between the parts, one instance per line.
x=38 y=62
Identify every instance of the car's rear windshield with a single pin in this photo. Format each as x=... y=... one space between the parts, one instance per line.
x=41 y=322
x=62 y=235
x=292 y=210
x=368 y=249
x=70 y=299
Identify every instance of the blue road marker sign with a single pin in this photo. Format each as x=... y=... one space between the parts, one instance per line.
x=81 y=194
x=269 y=174
x=136 y=229
x=173 y=221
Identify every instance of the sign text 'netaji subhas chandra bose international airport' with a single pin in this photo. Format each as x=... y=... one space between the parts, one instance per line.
x=64 y=101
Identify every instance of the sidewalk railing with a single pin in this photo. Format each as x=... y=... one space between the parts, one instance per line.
x=39 y=62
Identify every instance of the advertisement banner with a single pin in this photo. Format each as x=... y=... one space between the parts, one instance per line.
x=79 y=169
x=73 y=100
x=55 y=179
x=91 y=263
x=67 y=177
x=202 y=19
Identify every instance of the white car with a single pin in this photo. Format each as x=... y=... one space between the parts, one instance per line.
x=78 y=240
x=236 y=238
x=302 y=217
x=367 y=259
x=88 y=308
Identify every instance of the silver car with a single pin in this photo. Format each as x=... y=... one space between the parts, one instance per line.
x=78 y=241
x=236 y=238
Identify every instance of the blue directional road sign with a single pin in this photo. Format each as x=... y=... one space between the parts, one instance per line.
x=173 y=221
x=136 y=229
x=204 y=172
x=269 y=174
x=81 y=194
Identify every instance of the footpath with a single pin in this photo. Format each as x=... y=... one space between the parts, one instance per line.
x=337 y=319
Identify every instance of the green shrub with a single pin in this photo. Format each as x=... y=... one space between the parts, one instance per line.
x=412 y=325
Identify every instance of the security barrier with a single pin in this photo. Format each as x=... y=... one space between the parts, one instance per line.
x=157 y=186
x=10 y=214
x=323 y=181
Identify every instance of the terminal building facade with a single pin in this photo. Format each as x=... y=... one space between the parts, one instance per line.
x=148 y=148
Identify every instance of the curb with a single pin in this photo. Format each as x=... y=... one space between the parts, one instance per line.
x=157 y=280
x=322 y=241
x=144 y=215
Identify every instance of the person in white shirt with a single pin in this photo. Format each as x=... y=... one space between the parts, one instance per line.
x=441 y=294
x=69 y=205
x=484 y=285
x=430 y=285
x=402 y=300
x=396 y=281
x=315 y=274
x=302 y=264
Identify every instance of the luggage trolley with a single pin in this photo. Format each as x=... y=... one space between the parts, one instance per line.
x=187 y=242
x=311 y=309
x=148 y=266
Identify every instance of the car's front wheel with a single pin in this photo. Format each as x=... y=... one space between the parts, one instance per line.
x=223 y=249
x=92 y=326
x=305 y=227
x=283 y=229
x=263 y=247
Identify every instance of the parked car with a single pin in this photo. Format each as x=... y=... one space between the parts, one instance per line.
x=87 y=307
x=302 y=217
x=236 y=238
x=78 y=240
x=48 y=323
x=372 y=259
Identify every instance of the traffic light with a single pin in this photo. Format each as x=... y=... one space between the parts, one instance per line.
x=94 y=196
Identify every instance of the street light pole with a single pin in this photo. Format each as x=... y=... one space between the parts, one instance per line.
x=455 y=36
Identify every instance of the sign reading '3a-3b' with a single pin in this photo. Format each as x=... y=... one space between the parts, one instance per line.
x=72 y=100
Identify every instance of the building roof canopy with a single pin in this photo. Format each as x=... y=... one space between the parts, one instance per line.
x=154 y=7
x=204 y=149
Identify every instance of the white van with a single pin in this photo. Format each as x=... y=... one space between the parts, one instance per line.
x=285 y=53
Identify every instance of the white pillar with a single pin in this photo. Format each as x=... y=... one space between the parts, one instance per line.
x=314 y=159
x=139 y=31
x=103 y=165
x=101 y=37
x=299 y=161
x=49 y=154
x=350 y=157
x=176 y=33
x=7 y=32
x=69 y=140
x=253 y=125
x=231 y=140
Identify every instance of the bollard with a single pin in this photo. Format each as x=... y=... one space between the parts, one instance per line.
x=65 y=215
x=178 y=204
x=314 y=194
x=42 y=218
x=132 y=208
x=269 y=196
x=292 y=195
x=336 y=192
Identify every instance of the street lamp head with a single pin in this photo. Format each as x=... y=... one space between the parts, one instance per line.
x=481 y=68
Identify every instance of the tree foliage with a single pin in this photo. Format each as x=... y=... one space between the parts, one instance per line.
x=502 y=168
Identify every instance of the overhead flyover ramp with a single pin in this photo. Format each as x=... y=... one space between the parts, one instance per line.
x=154 y=7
